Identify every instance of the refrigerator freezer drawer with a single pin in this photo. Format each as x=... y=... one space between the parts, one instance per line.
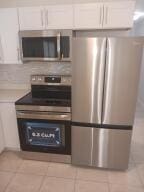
x=98 y=147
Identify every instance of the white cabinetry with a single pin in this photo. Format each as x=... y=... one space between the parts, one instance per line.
x=88 y=16
x=105 y=15
x=118 y=14
x=99 y=15
x=59 y=17
x=9 y=124
x=9 y=27
x=31 y=18
x=1 y=137
x=50 y=17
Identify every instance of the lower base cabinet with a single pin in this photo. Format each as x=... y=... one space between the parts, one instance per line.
x=9 y=125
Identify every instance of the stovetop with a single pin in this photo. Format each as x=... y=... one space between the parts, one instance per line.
x=29 y=100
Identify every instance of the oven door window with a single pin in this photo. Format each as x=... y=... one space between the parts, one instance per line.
x=45 y=134
x=39 y=47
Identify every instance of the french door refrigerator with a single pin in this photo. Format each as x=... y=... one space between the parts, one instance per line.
x=105 y=76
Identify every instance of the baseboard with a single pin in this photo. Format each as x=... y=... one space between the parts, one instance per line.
x=11 y=149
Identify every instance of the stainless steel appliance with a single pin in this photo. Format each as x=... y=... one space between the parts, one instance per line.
x=50 y=45
x=104 y=92
x=44 y=118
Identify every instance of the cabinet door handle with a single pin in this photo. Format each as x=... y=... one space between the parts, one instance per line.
x=106 y=15
x=100 y=15
x=47 y=18
x=42 y=22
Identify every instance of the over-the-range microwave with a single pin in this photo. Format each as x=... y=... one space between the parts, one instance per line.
x=48 y=45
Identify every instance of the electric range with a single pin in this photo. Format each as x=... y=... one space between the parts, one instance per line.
x=44 y=118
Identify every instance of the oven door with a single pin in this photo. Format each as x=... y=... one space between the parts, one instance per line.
x=44 y=135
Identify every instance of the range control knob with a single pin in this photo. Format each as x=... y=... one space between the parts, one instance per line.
x=33 y=79
x=39 y=78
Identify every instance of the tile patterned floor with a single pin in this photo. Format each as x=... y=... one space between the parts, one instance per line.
x=18 y=175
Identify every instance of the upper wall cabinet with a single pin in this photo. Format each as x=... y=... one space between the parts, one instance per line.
x=31 y=18
x=50 y=17
x=106 y=15
x=118 y=14
x=88 y=16
x=9 y=41
x=59 y=17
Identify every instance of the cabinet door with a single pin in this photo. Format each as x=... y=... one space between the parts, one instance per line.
x=59 y=17
x=9 y=43
x=9 y=124
x=1 y=137
x=31 y=18
x=118 y=14
x=88 y=16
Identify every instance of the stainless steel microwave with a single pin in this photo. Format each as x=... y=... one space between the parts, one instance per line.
x=49 y=45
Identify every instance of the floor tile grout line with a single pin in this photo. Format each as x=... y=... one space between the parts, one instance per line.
x=74 y=185
x=6 y=171
x=45 y=177
x=10 y=181
x=48 y=168
x=27 y=173
x=89 y=180
x=109 y=187
x=42 y=183
x=132 y=158
x=60 y=177
x=93 y=181
x=140 y=186
x=75 y=179
x=20 y=165
x=24 y=173
x=76 y=173
x=142 y=182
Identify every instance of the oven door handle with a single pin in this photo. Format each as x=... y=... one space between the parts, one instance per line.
x=43 y=115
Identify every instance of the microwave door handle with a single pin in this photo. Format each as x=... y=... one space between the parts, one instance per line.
x=58 y=46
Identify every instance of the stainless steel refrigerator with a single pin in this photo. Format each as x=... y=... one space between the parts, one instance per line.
x=105 y=76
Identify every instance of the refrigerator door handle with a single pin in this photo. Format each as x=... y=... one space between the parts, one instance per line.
x=106 y=107
x=101 y=80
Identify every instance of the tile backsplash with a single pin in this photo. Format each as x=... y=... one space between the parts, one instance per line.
x=20 y=73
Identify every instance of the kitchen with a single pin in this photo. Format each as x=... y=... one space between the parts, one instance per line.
x=20 y=174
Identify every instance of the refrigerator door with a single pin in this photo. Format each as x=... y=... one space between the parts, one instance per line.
x=123 y=63
x=87 y=79
x=98 y=147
